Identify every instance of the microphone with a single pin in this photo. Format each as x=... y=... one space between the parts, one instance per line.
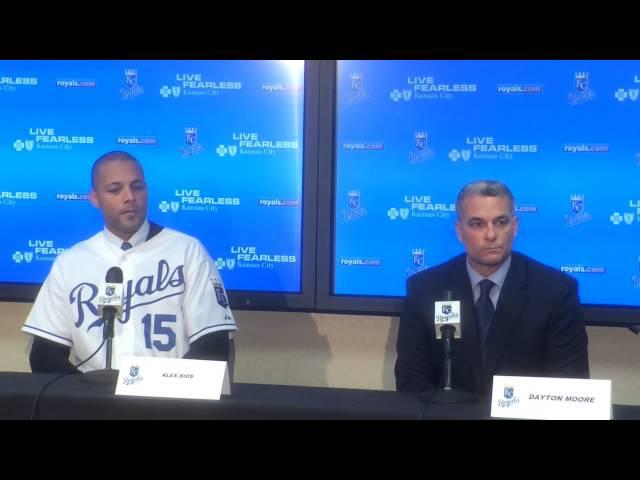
x=110 y=300
x=447 y=317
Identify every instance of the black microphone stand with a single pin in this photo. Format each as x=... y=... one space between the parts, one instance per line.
x=449 y=394
x=106 y=375
x=447 y=335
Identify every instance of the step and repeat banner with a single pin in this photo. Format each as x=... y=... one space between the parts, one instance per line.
x=220 y=141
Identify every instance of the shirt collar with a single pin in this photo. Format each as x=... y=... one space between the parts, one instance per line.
x=136 y=239
x=496 y=277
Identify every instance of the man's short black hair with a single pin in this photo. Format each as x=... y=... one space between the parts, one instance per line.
x=109 y=157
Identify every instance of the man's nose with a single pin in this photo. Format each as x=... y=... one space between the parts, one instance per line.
x=129 y=195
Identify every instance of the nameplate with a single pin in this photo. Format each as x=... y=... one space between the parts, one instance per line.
x=543 y=398
x=172 y=378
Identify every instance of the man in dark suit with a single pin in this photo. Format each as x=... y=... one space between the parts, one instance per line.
x=519 y=317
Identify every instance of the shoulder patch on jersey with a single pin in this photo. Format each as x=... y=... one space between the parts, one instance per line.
x=221 y=297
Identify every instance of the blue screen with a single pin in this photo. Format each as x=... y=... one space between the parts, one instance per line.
x=563 y=135
x=220 y=142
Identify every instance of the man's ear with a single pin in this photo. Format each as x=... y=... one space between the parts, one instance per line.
x=93 y=198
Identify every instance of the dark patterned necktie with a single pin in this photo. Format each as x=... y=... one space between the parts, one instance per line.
x=484 y=311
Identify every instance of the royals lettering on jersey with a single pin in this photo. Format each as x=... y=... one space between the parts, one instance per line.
x=82 y=296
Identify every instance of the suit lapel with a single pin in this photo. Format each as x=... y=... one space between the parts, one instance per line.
x=511 y=303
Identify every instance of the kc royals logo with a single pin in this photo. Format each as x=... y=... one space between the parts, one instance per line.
x=582 y=91
x=422 y=147
x=131 y=77
x=578 y=215
x=132 y=89
x=220 y=295
x=582 y=81
x=191 y=139
x=577 y=203
x=508 y=393
x=353 y=199
x=509 y=397
x=356 y=82
x=133 y=377
x=355 y=210
x=191 y=136
x=357 y=92
x=110 y=291
x=418 y=257
x=446 y=309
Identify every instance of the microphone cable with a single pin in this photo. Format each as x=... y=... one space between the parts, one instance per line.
x=34 y=406
x=430 y=399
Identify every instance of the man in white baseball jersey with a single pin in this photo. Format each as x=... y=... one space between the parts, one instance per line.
x=174 y=303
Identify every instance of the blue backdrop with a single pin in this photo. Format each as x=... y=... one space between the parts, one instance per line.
x=220 y=141
x=563 y=135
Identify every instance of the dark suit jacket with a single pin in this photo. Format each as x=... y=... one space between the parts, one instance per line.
x=537 y=329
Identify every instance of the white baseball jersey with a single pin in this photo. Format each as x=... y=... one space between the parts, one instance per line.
x=173 y=295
